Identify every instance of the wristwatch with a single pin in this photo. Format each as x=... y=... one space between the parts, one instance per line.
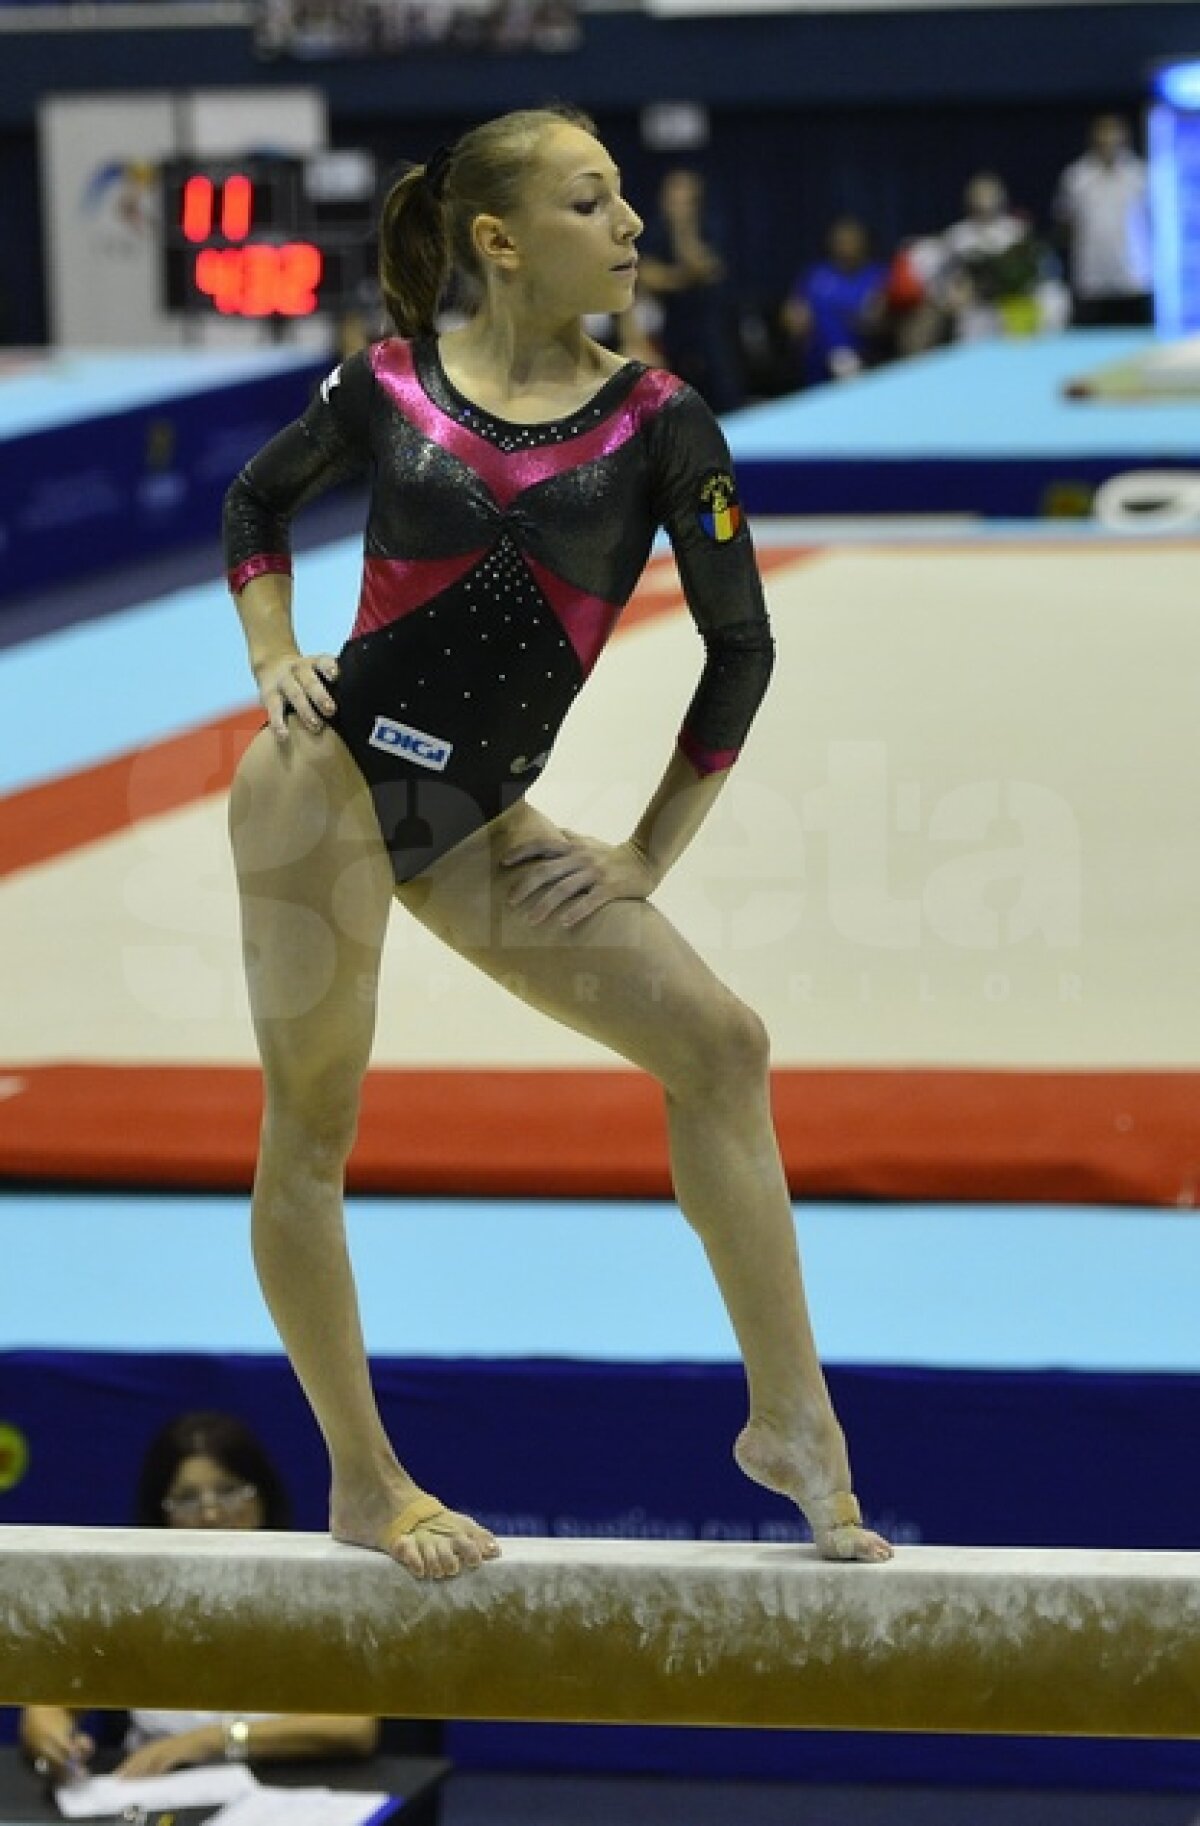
x=237 y=1741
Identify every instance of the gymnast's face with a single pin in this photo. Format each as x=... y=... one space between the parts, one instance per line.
x=204 y=1494
x=570 y=244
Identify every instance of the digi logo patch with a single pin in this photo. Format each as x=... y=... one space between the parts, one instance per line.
x=413 y=744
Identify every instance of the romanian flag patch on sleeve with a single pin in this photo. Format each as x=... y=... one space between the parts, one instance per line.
x=720 y=513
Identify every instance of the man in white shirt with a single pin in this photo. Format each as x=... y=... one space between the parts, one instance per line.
x=991 y=274
x=1101 y=201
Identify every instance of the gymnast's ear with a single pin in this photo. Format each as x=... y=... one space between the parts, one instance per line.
x=494 y=244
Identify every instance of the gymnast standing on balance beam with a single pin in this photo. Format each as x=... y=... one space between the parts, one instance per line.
x=519 y=474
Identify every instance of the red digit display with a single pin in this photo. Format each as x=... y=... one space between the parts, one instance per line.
x=219 y=277
x=244 y=237
x=197 y=209
x=301 y=266
x=236 y=200
x=259 y=269
x=260 y=280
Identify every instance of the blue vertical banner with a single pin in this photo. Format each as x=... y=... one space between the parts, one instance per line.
x=1174 y=145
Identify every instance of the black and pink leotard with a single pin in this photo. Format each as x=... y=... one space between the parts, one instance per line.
x=497 y=559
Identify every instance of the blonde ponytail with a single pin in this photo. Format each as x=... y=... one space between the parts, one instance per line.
x=413 y=253
x=429 y=214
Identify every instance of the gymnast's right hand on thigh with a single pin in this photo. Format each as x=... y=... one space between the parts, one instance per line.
x=294 y=684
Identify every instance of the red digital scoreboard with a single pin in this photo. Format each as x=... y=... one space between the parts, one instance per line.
x=268 y=236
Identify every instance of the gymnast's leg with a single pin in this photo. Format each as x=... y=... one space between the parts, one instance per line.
x=316 y=887
x=627 y=978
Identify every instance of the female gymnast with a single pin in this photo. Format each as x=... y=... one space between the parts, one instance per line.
x=519 y=474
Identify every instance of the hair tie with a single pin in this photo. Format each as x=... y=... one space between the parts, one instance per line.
x=437 y=169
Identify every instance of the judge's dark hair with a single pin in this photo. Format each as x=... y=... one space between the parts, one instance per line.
x=425 y=228
x=226 y=1440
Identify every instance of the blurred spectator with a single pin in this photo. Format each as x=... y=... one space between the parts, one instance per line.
x=540 y=25
x=202 y=1471
x=913 y=319
x=632 y=333
x=1101 y=203
x=993 y=275
x=683 y=271
x=834 y=311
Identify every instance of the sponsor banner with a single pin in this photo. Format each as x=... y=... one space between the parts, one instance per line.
x=77 y=497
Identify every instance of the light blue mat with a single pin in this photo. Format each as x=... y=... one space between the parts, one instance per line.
x=980 y=400
x=88 y=692
x=962 y=1287
x=64 y=388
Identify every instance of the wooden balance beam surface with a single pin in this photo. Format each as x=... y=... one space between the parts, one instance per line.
x=1062 y=1643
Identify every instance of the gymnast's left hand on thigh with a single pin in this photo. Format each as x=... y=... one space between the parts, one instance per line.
x=573 y=876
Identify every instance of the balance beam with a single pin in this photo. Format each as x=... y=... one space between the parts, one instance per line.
x=1056 y=1643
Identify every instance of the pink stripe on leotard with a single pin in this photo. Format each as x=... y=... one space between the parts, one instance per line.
x=508 y=474
x=706 y=760
x=394 y=587
x=587 y=621
x=258 y=566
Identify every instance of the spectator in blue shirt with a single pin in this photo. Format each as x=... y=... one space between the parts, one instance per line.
x=835 y=308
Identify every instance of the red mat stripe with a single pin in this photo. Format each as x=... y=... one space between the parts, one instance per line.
x=1043 y=1137
x=61 y=815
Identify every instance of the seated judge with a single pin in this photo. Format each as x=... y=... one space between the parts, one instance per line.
x=203 y=1470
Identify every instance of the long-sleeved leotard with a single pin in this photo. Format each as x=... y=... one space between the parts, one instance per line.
x=497 y=559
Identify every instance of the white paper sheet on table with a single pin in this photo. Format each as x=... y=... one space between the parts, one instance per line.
x=269 y=1806
x=94 y=1796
